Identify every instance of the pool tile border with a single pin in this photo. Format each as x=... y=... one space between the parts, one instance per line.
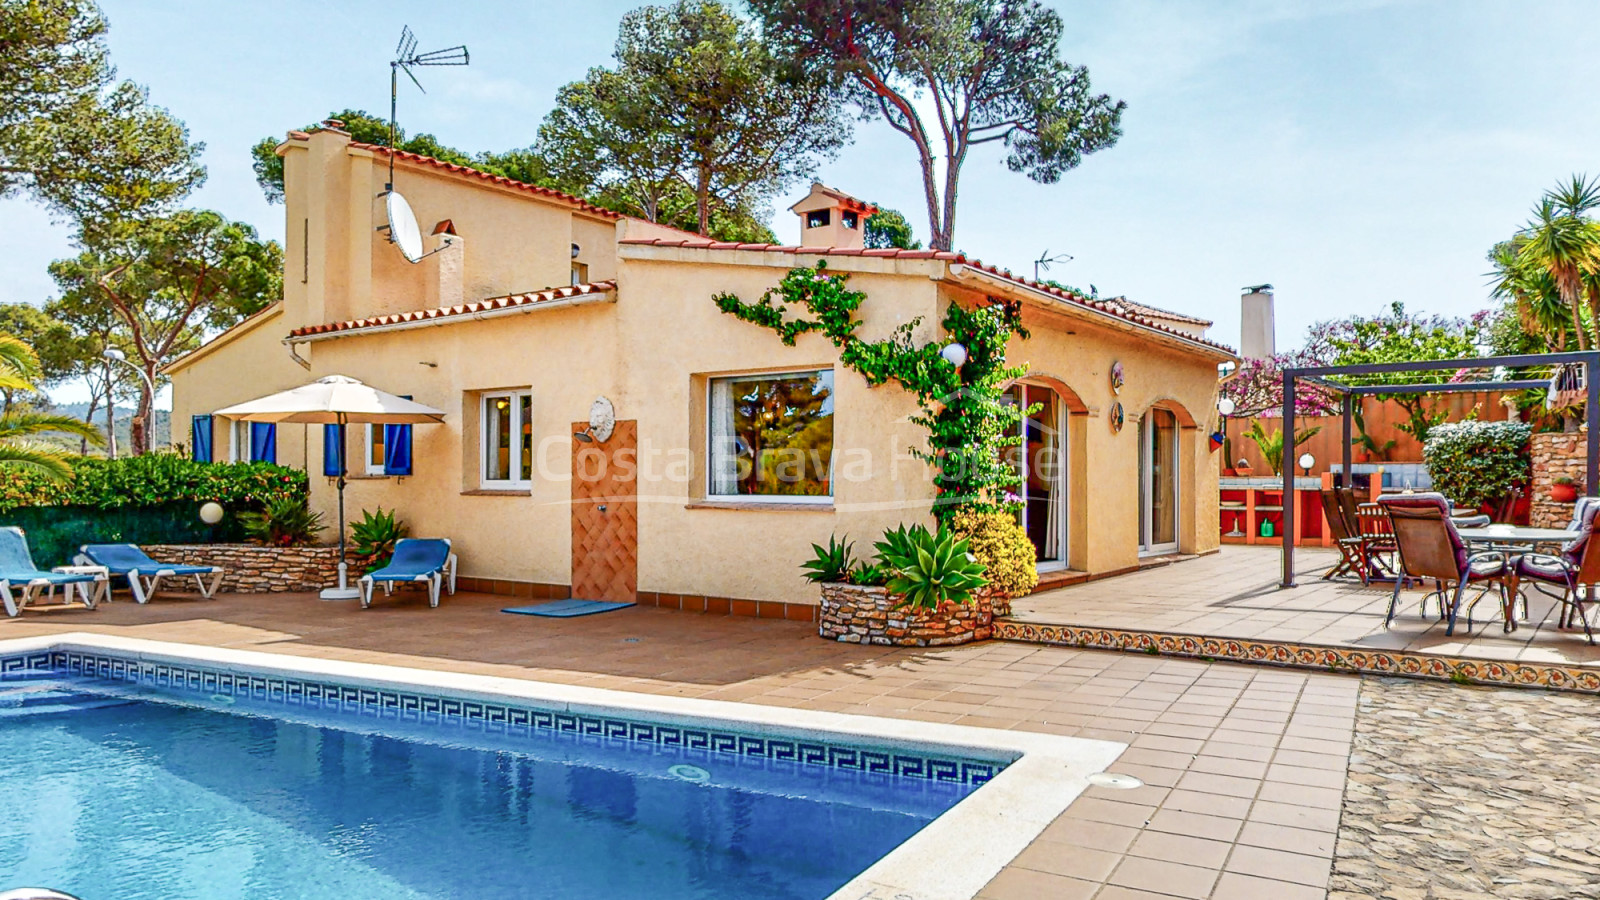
x=1322 y=657
x=417 y=707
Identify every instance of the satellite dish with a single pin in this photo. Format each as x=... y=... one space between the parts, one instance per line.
x=403 y=230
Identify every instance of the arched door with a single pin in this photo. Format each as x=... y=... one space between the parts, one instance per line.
x=1158 y=482
x=1041 y=463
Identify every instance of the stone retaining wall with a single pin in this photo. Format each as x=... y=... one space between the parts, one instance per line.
x=253 y=569
x=1555 y=454
x=870 y=615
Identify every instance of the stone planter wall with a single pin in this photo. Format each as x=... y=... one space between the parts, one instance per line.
x=1554 y=455
x=252 y=569
x=870 y=615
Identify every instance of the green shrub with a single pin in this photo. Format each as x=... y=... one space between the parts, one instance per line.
x=153 y=480
x=929 y=569
x=373 y=537
x=287 y=522
x=833 y=563
x=999 y=543
x=56 y=532
x=1474 y=463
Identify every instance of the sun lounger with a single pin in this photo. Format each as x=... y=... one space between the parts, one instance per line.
x=20 y=579
x=143 y=573
x=415 y=559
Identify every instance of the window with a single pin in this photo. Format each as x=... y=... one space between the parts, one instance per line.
x=374 y=455
x=505 y=434
x=771 y=436
x=252 y=442
x=817 y=219
x=580 y=273
x=848 y=220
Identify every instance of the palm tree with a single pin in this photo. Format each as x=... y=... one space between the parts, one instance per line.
x=18 y=368
x=1532 y=292
x=1563 y=241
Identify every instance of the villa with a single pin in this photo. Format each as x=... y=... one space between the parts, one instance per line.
x=732 y=453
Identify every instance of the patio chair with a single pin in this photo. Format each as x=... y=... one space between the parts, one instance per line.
x=1576 y=570
x=415 y=559
x=1351 y=562
x=18 y=572
x=1430 y=548
x=143 y=573
x=1377 y=540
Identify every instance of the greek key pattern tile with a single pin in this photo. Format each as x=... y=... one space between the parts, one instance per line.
x=497 y=718
x=29 y=661
x=1309 y=656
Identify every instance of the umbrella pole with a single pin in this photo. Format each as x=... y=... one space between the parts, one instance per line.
x=344 y=591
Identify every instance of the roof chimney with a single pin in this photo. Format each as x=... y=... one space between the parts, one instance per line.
x=830 y=218
x=1257 y=330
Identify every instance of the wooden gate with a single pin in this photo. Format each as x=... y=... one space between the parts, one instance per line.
x=605 y=515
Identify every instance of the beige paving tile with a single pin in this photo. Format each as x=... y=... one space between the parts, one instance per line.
x=1279 y=865
x=1305 y=841
x=1235 y=886
x=1171 y=878
x=1192 y=851
x=1014 y=883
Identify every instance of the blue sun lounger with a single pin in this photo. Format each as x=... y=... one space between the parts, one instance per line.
x=143 y=573
x=18 y=572
x=415 y=559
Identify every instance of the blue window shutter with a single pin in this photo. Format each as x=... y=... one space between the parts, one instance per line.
x=200 y=437
x=397 y=448
x=333 y=450
x=263 y=442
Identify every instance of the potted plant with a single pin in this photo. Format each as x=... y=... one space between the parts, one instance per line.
x=1564 y=490
x=1271 y=444
x=1243 y=467
x=925 y=590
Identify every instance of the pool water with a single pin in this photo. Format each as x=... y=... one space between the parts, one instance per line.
x=120 y=794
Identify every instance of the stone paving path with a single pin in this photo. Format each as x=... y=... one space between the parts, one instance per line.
x=1458 y=792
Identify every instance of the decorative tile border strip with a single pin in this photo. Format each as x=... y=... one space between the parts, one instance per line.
x=505 y=718
x=1354 y=660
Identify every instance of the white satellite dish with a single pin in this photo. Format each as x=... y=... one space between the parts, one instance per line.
x=403 y=230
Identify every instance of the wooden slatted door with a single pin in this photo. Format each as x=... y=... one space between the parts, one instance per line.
x=605 y=515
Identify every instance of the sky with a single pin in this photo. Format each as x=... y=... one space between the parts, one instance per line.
x=1349 y=152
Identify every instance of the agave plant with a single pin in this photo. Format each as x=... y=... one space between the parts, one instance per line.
x=18 y=368
x=284 y=523
x=833 y=563
x=373 y=537
x=929 y=569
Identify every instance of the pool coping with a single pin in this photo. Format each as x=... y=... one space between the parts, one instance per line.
x=952 y=858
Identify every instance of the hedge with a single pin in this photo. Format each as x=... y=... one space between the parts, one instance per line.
x=1474 y=463
x=150 y=499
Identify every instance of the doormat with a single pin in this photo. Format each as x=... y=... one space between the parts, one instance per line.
x=566 y=609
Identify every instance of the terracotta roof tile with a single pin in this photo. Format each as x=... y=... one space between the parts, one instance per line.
x=949 y=256
x=500 y=180
x=466 y=309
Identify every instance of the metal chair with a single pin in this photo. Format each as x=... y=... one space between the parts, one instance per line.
x=1576 y=570
x=1430 y=548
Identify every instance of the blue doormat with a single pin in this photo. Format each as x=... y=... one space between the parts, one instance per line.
x=566 y=609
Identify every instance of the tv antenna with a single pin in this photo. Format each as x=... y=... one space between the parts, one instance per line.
x=1045 y=260
x=405 y=59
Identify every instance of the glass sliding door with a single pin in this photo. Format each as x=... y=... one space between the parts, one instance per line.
x=1041 y=463
x=1158 y=482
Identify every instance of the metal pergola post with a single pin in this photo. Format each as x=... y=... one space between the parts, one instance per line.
x=1353 y=394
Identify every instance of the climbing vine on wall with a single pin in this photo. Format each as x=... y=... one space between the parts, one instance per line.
x=969 y=424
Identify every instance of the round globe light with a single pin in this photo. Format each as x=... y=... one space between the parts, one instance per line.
x=1307 y=461
x=211 y=513
x=955 y=354
x=1226 y=406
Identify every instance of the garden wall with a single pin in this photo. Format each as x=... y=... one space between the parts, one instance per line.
x=1555 y=454
x=251 y=569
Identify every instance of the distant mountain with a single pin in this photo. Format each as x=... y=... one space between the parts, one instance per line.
x=161 y=438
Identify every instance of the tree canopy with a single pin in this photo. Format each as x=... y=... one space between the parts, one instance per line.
x=167 y=283
x=696 y=119
x=888 y=228
x=990 y=69
x=92 y=149
x=370 y=129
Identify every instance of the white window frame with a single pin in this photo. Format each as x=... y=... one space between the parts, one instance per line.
x=239 y=441
x=370 y=467
x=711 y=442
x=514 y=458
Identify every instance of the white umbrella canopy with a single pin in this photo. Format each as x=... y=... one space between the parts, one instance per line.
x=334 y=400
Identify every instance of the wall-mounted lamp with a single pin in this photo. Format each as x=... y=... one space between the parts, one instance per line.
x=576 y=250
x=955 y=354
x=1307 y=461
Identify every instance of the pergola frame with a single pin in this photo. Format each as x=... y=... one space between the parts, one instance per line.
x=1319 y=375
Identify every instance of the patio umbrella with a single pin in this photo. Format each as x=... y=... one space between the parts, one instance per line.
x=335 y=400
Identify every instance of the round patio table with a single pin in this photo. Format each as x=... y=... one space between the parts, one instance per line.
x=1517 y=536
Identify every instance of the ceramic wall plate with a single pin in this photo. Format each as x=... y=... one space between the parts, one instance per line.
x=1116 y=378
x=1117 y=417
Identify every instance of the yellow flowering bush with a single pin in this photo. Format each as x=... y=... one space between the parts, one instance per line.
x=1000 y=544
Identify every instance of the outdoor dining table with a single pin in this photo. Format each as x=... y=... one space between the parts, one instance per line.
x=1519 y=536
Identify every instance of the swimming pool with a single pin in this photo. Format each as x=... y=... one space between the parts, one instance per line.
x=140 y=770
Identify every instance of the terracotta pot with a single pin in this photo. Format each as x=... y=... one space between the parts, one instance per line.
x=1244 y=471
x=1564 y=493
